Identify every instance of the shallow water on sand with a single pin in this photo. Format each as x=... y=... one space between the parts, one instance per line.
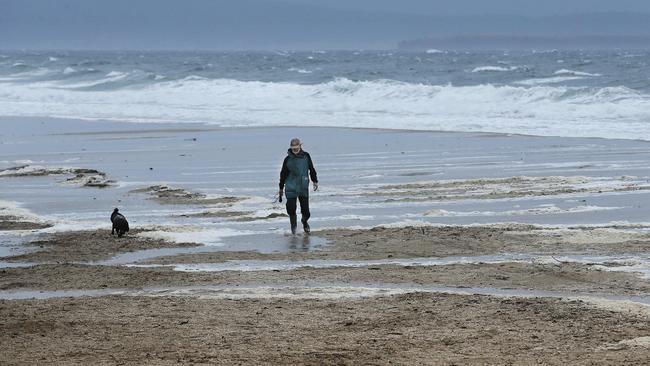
x=636 y=263
x=318 y=291
x=364 y=174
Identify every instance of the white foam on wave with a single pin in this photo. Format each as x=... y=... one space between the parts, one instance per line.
x=535 y=109
x=494 y=68
x=299 y=70
x=192 y=78
x=26 y=75
x=63 y=89
x=574 y=73
x=549 y=80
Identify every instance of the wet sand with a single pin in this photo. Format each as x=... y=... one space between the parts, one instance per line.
x=76 y=246
x=446 y=241
x=546 y=277
x=17 y=223
x=80 y=176
x=179 y=196
x=158 y=315
x=511 y=187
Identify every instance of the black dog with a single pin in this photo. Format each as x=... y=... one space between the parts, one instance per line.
x=119 y=223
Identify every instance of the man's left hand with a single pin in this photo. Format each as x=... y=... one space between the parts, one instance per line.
x=315 y=186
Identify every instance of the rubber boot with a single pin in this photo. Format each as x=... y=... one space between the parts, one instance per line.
x=294 y=223
x=305 y=226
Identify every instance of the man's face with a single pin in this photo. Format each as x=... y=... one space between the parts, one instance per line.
x=295 y=148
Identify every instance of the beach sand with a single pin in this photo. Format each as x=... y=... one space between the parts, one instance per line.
x=400 y=329
x=367 y=314
x=501 y=250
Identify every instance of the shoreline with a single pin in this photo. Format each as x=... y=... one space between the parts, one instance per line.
x=208 y=126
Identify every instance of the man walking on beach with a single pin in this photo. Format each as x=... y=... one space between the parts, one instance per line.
x=297 y=168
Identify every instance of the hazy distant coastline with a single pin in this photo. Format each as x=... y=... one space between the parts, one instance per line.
x=491 y=42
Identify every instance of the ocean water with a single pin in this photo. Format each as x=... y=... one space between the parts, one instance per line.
x=546 y=93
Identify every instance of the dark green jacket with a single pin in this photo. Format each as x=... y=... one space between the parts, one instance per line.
x=295 y=174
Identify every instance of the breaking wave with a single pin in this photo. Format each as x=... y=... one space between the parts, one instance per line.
x=535 y=107
x=495 y=68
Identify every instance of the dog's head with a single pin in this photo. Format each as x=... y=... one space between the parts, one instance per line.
x=114 y=214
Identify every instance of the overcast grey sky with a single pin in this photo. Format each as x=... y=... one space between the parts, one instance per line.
x=474 y=7
x=300 y=24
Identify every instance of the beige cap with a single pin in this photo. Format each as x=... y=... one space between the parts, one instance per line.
x=295 y=142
